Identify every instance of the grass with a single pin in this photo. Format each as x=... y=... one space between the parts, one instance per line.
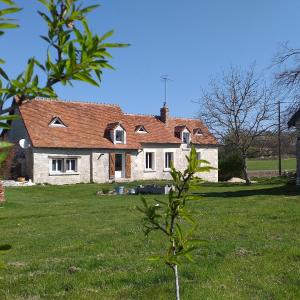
x=253 y=249
x=271 y=164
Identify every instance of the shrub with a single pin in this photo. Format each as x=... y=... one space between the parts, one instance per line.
x=230 y=165
x=105 y=190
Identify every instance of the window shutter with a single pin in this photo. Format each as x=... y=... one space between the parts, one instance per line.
x=112 y=159
x=127 y=165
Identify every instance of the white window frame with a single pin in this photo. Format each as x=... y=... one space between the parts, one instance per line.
x=153 y=161
x=66 y=165
x=198 y=132
x=56 y=165
x=189 y=140
x=142 y=130
x=119 y=128
x=57 y=119
x=166 y=167
x=199 y=155
x=64 y=170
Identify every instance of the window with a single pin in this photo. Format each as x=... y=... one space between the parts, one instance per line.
x=57 y=165
x=150 y=161
x=141 y=129
x=71 y=165
x=119 y=136
x=63 y=165
x=57 y=122
x=185 y=137
x=198 y=155
x=198 y=131
x=168 y=159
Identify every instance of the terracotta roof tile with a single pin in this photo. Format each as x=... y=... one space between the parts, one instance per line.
x=87 y=125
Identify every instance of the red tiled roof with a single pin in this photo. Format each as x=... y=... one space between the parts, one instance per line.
x=87 y=125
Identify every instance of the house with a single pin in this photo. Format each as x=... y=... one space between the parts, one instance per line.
x=295 y=122
x=73 y=142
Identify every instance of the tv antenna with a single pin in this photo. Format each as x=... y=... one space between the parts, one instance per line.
x=166 y=79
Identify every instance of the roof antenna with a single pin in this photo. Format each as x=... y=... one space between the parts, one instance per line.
x=165 y=78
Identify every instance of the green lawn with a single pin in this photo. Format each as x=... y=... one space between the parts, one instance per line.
x=271 y=164
x=253 y=249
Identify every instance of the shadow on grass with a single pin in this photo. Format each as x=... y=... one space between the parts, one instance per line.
x=284 y=190
x=5 y=247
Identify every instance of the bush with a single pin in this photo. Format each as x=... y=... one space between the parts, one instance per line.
x=105 y=190
x=230 y=165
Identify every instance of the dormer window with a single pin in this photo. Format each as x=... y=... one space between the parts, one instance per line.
x=140 y=129
x=57 y=122
x=198 y=131
x=119 y=135
x=186 y=137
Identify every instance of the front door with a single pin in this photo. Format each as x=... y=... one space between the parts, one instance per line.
x=119 y=165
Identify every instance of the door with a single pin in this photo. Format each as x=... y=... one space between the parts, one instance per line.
x=119 y=165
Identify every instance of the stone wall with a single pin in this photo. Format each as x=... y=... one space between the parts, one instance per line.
x=138 y=162
x=93 y=164
x=41 y=166
x=23 y=156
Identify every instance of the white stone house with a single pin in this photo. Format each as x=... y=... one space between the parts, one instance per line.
x=73 y=142
x=295 y=122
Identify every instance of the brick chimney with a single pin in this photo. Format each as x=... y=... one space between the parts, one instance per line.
x=164 y=113
x=2 y=195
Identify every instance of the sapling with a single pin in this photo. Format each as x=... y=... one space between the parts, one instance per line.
x=169 y=217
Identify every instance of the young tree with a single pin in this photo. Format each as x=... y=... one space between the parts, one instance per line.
x=238 y=107
x=73 y=53
x=168 y=217
x=5 y=23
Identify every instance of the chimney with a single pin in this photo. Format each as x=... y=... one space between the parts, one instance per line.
x=164 y=114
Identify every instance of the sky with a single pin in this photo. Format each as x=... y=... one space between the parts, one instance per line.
x=191 y=41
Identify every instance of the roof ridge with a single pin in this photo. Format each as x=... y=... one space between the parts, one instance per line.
x=142 y=115
x=74 y=101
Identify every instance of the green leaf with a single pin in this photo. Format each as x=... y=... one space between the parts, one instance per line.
x=4 y=125
x=5 y=145
x=8 y=2
x=29 y=70
x=88 y=9
x=106 y=35
x=9 y=117
x=8 y=11
x=3 y=74
x=8 y=26
x=85 y=78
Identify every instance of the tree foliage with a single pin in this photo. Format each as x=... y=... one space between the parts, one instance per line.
x=73 y=53
x=173 y=220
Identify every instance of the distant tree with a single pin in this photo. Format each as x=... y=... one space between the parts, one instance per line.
x=73 y=53
x=238 y=107
x=288 y=78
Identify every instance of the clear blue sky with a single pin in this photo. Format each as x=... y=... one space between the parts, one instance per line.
x=189 y=40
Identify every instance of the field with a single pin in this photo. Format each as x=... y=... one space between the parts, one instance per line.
x=271 y=164
x=68 y=243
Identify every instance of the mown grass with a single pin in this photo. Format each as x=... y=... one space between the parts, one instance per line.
x=271 y=164
x=253 y=248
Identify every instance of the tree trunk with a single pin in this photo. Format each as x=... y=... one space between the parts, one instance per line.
x=175 y=269
x=245 y=170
